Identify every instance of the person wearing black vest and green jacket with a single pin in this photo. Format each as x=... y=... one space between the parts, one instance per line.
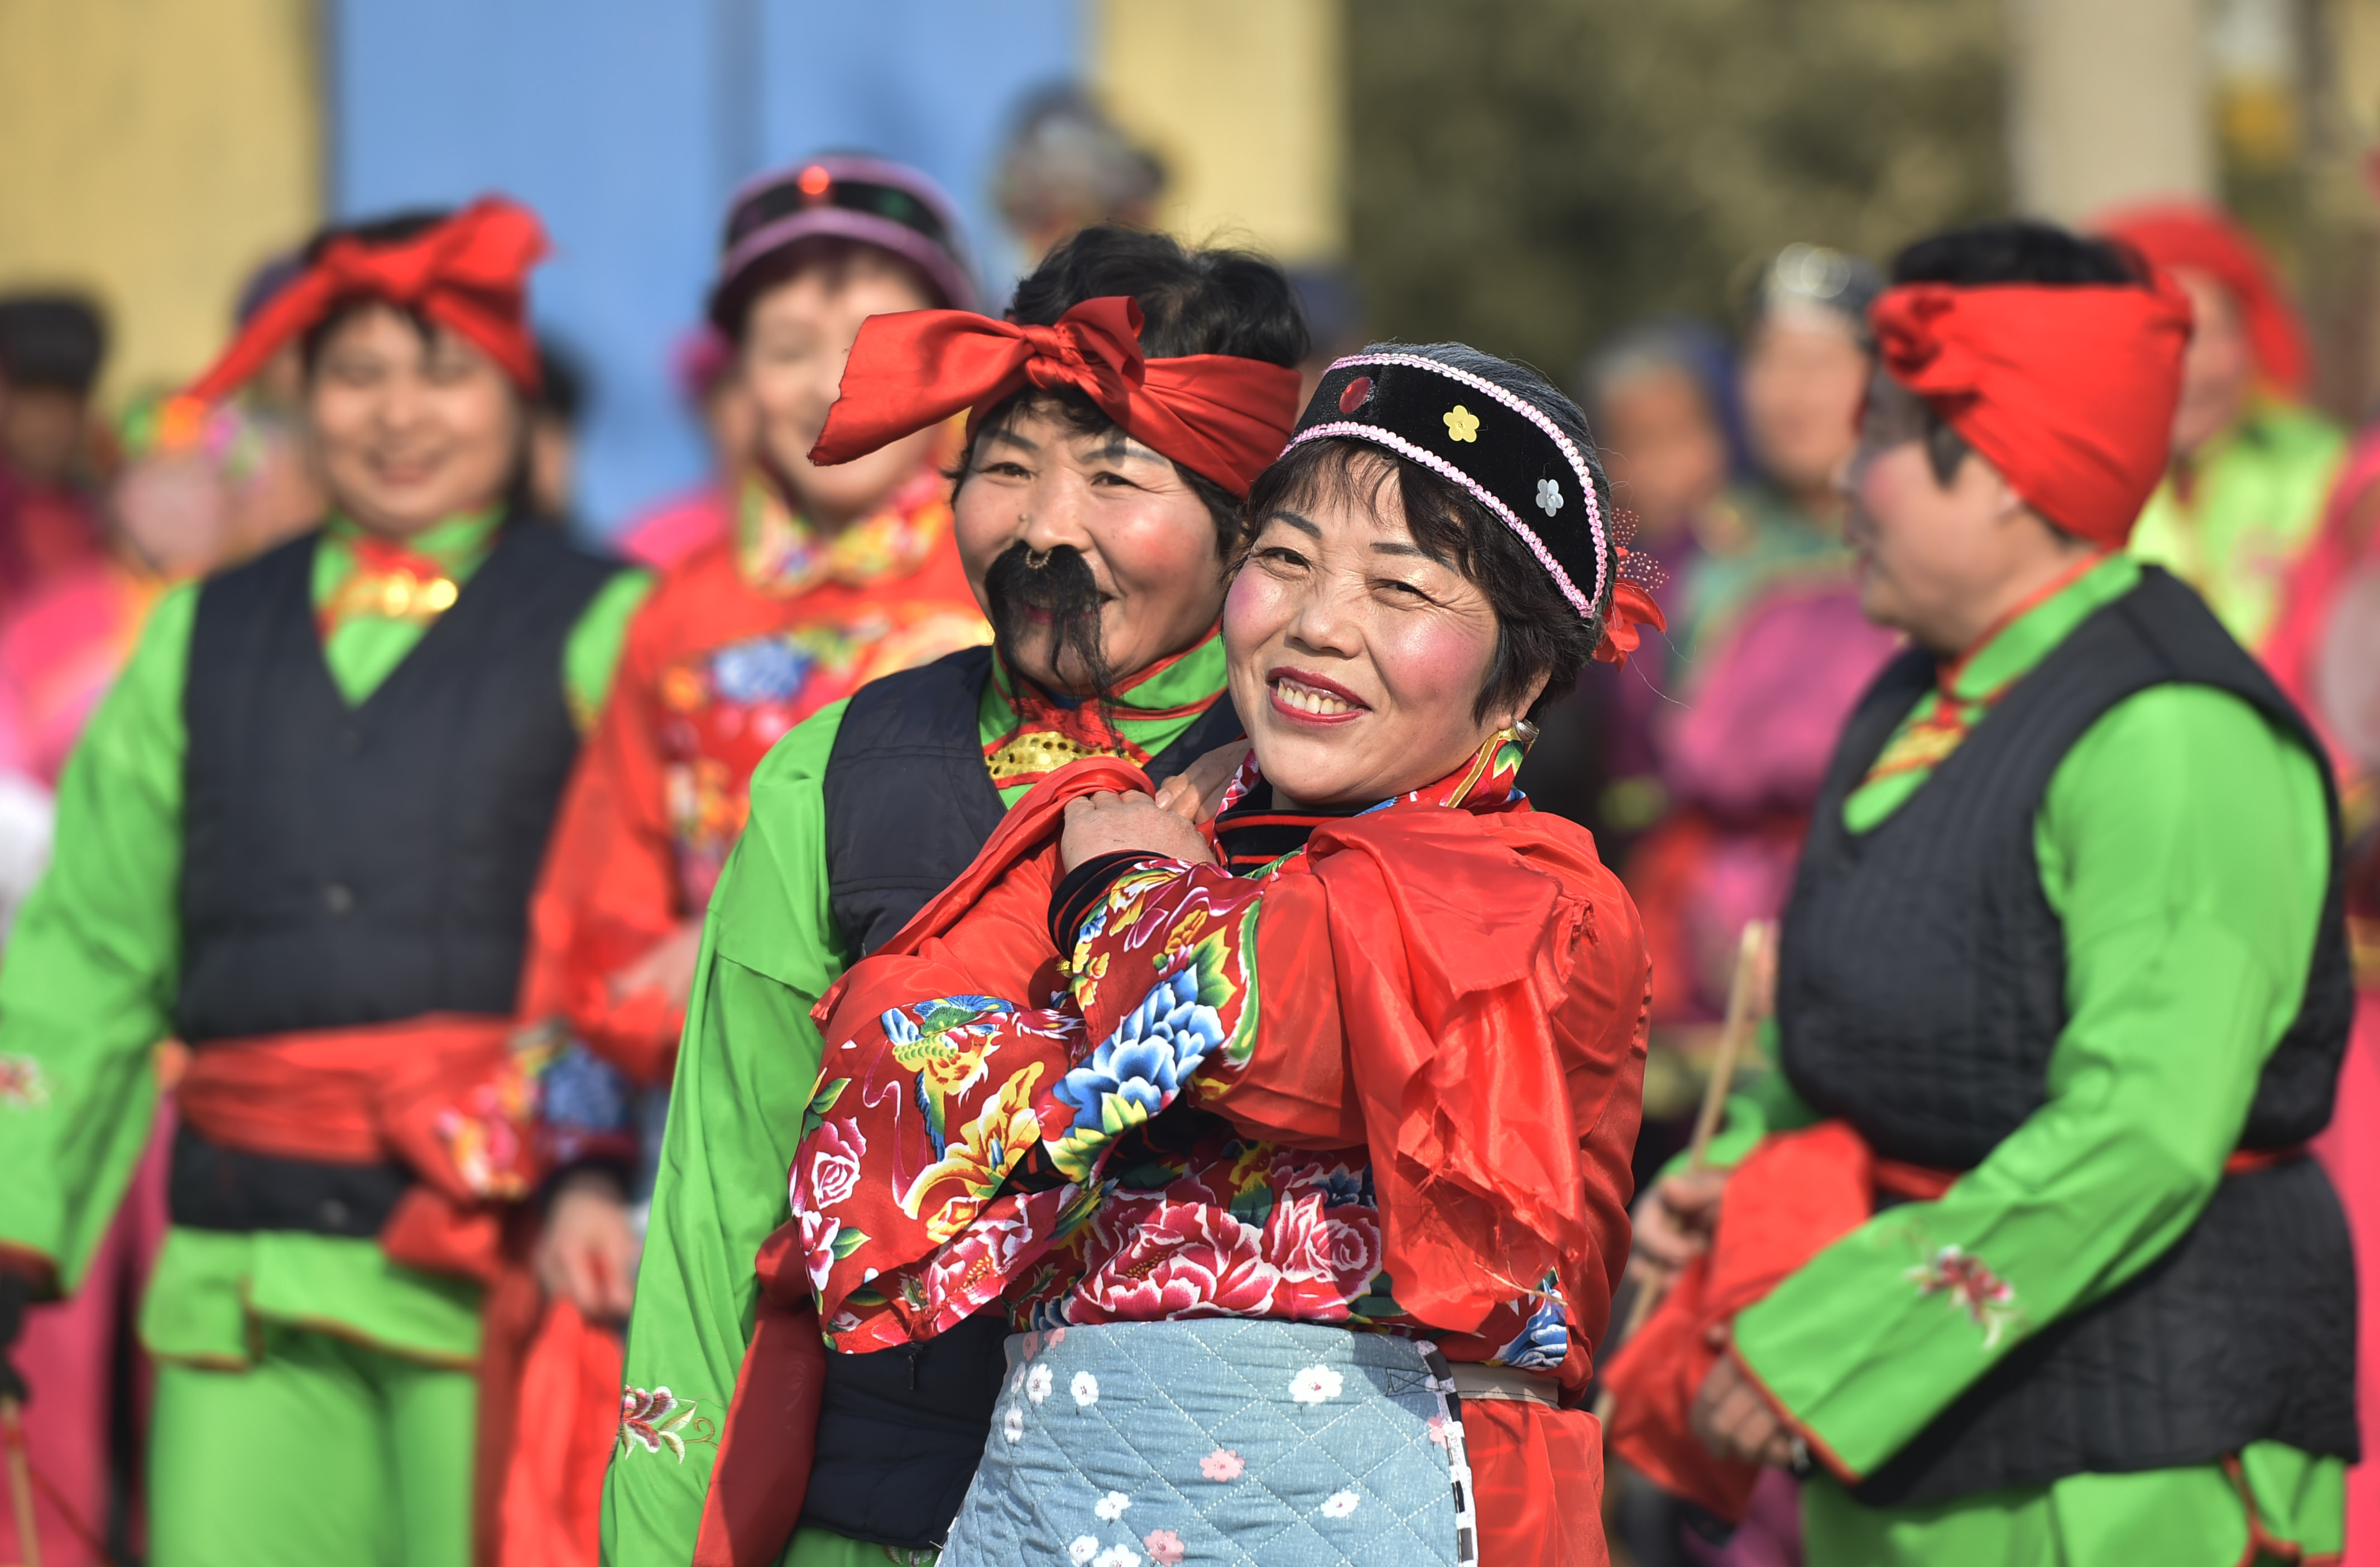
x=299 y=835
x=1114 y=421
x=2064 y=974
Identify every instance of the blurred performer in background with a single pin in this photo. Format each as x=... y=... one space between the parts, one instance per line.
x=2325 y=651
x=1661 y=398
x=50 y=350
x=832 y=578
x=2062 y=999
x=2252 y=463
x=1115 y=422
x=705 y=367
x=300 y=833
x=1068 y=166
x=1771 y=654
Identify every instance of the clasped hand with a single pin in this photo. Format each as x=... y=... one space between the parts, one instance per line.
x=1108 y=823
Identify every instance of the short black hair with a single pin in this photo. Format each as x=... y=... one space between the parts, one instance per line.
x=56 y=339
x=1192 y=301
x=394 y=228
x=1537 y=630
x=562 y=383
x=2013 y=251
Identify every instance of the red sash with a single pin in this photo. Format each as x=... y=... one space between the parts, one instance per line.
x=448 y=1097
x=1794 y=1196
x=440 y=1094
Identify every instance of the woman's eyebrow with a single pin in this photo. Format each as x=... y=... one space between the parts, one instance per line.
x=1303 y=525
x=1396 y=547
x=1011 y=438
x=1119 y=447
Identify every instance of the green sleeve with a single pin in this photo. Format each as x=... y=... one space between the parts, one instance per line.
x=93 y=962
x=747 y=1066
x=593 y=653
x=2183 y=842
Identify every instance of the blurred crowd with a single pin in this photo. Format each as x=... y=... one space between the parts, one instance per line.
x=1696 y=764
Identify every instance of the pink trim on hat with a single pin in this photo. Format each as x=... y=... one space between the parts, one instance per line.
x=1535 y=416
x=1439 y=465
x=948 y=270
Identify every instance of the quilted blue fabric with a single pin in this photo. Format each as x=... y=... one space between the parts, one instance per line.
x=1144 y=1444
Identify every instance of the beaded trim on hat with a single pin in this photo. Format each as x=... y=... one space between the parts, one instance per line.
x=1357 y=430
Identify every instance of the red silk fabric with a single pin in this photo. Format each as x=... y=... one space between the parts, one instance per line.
x=1795 y=1196
x=360 y=1096
x=468 y=273
x=567 y=1421
x=2068 y=391
x=1224 y=418
x=2192 y=237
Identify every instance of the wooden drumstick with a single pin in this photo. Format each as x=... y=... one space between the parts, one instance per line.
x=1751 y=954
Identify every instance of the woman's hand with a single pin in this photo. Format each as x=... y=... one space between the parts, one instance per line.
x=1734 y=1419
x=1108 y=823
x=587 y=1254
x=1194 y=793
x=1673 y=1221
x=667 y=966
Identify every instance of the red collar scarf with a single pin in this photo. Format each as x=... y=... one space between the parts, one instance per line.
x=1223 y=418
x=468 y=274
x=2069 y=391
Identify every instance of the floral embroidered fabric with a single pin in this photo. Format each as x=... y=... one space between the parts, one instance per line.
x=1080 y=1162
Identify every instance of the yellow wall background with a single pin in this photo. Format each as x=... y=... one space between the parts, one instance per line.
x=152 y=151
x=1245 y=102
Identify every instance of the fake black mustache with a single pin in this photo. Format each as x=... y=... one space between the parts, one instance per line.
x=1059 y=583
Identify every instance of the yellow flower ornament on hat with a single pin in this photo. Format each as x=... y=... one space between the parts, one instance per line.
x=1462 y=424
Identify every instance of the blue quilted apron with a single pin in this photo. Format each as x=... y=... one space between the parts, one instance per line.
x=1144 y=1444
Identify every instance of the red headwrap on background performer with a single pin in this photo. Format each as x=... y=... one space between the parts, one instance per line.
x=2068 y=391
x=468 y=274
x=1222 y=417
x=2192 y=237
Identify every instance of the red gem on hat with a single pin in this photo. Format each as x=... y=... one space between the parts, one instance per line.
x=815 y=181
x=1358 y=393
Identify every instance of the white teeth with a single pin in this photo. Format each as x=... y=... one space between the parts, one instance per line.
x=1304 y=699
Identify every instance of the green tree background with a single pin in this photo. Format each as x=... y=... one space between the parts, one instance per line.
x=1530 y=176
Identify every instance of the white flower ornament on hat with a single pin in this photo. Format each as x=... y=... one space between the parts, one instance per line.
x=1550 y=496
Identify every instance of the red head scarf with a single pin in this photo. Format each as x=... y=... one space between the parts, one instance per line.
x=2190 y=236
x=468 y=274
x=2069 y=391
x=1224 y=418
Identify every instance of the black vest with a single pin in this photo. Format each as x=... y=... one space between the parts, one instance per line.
x=346 y=866
x=1921 y=992
x=908 y=803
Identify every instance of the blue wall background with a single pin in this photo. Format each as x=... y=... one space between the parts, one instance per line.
x=626 y=123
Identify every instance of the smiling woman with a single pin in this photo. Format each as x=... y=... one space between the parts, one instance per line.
x=1360 y=1051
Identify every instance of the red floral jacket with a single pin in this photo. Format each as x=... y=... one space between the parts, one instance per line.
x=1390 y=1080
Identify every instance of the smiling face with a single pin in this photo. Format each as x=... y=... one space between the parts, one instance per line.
x=1035 y=483
x=410 y=429
x=1357 y=658
x=797 y=338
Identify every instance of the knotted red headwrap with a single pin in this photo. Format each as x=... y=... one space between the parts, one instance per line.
x=466 y=273
x=2188 y=236
x=1221 y=417
x=2069 y=391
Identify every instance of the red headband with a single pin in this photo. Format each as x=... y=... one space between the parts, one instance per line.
x=466 y=273
x=2188 y=236
x=2068 y=391
x=1220 y=416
